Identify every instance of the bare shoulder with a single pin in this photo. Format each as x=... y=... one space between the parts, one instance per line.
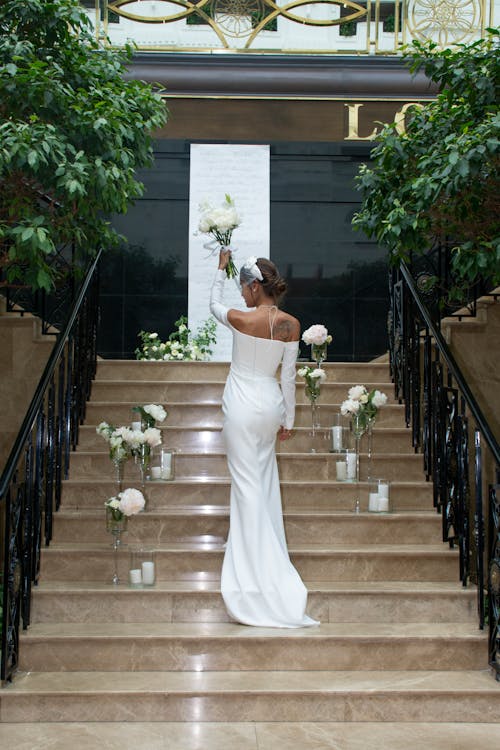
x=286 y=328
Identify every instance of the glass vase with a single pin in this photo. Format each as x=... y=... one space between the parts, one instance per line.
x=116 y=524
x=370 y=422
x=313 y=396
x=358 y=428
x=318 y=353
x=119 y=472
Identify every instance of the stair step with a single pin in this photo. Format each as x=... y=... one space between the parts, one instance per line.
x=203 y=561
x=209 y=414
x=303 y=466
x=161 y=392
x=227 y=646
x=201 y=601
x=82 y=493
x=319 y=696
x=197 y=439
x=252 y=735
x=345 y=372
x=211 y=524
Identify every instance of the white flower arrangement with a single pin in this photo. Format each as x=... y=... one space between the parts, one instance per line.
x=317 y=335
x=220 y=222
x=314 y=377
x=363 y=403
x=181 y=344
x=151 y=414
x=126 y=503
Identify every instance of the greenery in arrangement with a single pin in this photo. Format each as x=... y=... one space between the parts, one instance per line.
x=181 y=344
x=73 y=133
x=439 y=180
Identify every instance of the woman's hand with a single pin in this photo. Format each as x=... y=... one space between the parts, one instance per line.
x=284 y=434
x=224 y=258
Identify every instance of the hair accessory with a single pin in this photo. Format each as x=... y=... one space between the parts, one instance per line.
x=251 y=268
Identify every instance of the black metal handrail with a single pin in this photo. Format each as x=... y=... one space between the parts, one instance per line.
x=446 y=419
x=30 y=486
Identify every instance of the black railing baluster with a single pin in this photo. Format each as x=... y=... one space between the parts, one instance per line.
x=30 y=486
x=442 y=419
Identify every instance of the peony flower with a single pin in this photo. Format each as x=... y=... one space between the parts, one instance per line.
x=357 y=392
x=349 y=406
x=156 y=411
x=303 y=371
x=152 y=436
x=316 y=334
x=318 y=374
x=131 y=501
x=378 y=399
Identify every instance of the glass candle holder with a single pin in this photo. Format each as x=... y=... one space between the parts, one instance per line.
x=340 y=434
x=379 y=499
x=142 y=567
x=351 y=462
x=167 y=464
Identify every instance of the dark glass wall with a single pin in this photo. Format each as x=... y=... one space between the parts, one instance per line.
x=336 y=276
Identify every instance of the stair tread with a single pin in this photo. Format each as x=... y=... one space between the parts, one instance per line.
x=189 y=586
x=364 y=631
x=310 y=547
x=425 y=681
x=223 y=510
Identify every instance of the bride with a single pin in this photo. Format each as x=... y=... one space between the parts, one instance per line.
x=259 y=584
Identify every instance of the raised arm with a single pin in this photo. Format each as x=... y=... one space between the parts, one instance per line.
x=288 y=381
x=217 y=309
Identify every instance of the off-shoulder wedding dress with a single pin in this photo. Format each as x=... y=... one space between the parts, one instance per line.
x=259 y=584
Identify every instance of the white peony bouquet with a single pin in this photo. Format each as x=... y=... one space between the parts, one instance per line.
x=181 y=344
x=318 y=338
x=126 y=503
x=363 y=403
x=219 y=223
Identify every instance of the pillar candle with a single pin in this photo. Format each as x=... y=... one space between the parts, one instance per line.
x=156 y=472
x=337 y=438
x=383 y=489
x=148 y=573
x=166 y=465
x=351 y=459
x=373 y=502
x=341 y=467
x=135 y=576
x=136 y=425
x=383 y=504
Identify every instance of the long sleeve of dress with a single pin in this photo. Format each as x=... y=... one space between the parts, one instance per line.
x=217 y=309
x=288 y=381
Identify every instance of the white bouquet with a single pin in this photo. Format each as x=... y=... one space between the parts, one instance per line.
x=220 y=223
x=363 y=403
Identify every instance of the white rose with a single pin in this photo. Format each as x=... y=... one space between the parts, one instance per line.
x=182 y=328
x=102 y=429
x=153 y=335
x=113 y=503
x=204 y=225
x=302 y=372
x=131 y=501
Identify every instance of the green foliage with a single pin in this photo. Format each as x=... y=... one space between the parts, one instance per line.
x=73 y=133
x=439 y=179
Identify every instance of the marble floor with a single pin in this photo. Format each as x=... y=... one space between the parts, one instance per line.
x=249 y=736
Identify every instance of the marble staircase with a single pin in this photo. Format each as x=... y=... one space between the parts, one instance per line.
x=398 y=640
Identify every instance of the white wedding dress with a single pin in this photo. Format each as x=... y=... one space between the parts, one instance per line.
x=259 y=584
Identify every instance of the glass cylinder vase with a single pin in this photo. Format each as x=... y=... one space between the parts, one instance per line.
x=318 y=353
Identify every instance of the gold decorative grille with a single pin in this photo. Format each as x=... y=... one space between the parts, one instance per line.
x=367 y=26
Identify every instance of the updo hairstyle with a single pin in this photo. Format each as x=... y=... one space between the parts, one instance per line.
x=273 y=284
